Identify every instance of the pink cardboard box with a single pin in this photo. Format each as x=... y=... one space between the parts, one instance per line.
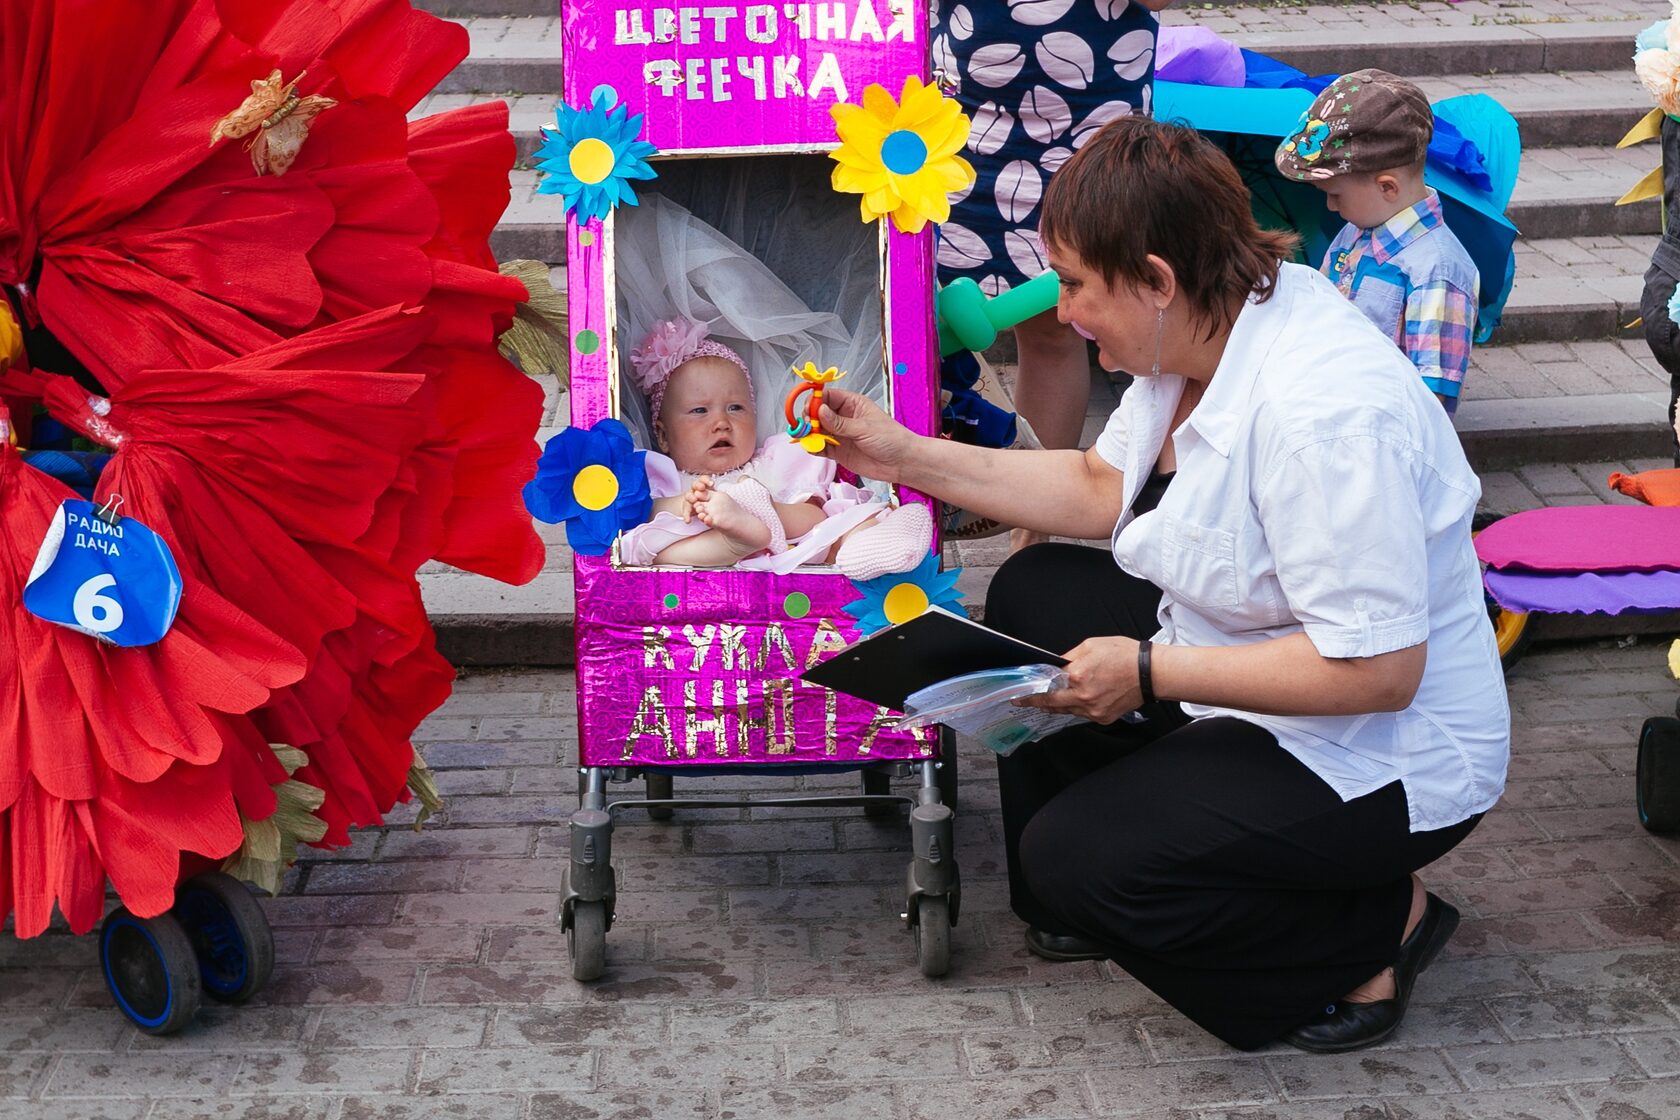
x=688 y=667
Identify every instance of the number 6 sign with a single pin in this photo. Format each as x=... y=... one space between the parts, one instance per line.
x=117 y=582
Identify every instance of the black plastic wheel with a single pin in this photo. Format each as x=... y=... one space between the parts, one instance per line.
x=1659 y=775
x=878 y=783
x=1511 y=632
x=150 y=970
x=932 y=929
x=586 y=940
x=230 y=935
x=659 y=788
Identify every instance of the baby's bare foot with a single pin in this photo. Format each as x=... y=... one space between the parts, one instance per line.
x=745 y=533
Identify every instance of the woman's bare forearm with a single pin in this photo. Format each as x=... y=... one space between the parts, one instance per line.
x=1064 y=493
x=1287 y=677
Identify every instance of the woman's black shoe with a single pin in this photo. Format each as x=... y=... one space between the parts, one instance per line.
x=1063 y=947
x=1354 y=1026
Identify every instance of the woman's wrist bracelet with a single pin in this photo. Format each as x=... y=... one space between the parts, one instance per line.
x=1146 y=681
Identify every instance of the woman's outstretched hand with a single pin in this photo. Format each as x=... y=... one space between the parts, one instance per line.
x=1102 y=681
x=872 y=443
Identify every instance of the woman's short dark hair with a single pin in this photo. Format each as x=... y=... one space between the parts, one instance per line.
x=1140 y=186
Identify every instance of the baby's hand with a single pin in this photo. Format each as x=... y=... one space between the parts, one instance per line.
x=695 y=497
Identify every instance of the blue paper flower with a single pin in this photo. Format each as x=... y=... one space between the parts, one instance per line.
x=891 y=599
x=1654 y=37
x=592 y=157
x=595 y=481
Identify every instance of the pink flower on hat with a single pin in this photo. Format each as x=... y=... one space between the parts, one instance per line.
x=670 y=344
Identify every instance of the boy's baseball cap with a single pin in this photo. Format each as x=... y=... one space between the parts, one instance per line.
x=1363 y=122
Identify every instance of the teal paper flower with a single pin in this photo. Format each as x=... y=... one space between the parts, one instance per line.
x=595 y=481
x=891 y=599
x=593 y=156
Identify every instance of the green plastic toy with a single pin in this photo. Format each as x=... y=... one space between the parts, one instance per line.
x=970 y=321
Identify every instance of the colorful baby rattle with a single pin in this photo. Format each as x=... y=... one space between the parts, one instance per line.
x=806 y=430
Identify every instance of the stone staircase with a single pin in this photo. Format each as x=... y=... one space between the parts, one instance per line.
x=1564 y=380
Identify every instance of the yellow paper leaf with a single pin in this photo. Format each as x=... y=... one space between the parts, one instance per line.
x=1649 y=187
x=1648 y=128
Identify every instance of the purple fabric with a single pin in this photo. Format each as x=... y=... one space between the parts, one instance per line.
x=1585 y=592
x=1584 y=539
x=1197 y=56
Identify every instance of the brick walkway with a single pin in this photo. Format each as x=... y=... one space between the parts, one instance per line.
x=758 y=969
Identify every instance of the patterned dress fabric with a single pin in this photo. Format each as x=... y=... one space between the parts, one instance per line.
x=1038 y=78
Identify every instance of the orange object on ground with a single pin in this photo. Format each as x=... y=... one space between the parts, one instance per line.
x=1654 y=488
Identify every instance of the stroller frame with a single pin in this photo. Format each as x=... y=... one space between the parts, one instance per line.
x=650 y=705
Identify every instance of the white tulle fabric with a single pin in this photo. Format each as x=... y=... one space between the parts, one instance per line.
x=780 y=271
x=790 y=474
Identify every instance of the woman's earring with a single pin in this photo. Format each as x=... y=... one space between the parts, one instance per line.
x=1160 y=326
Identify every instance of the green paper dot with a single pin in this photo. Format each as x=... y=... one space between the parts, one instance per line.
x=587 y=342
x=797 y=605
x=586 y=237
x=671 y=601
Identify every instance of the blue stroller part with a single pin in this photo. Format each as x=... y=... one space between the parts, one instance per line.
x=78 y=470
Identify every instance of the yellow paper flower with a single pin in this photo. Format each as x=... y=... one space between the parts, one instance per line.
x=901 y=156
x=1674 y=658
x=11 y=336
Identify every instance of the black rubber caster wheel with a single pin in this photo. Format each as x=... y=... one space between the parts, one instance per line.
x=878 y=783
x=150 y=969
x=1511 y=632
x=1659 y=775
x=229 y=933
x=659 y=788
x=586 y=940
x=932 y=930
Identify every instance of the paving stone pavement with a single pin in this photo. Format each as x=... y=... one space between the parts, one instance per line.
x=757 y=968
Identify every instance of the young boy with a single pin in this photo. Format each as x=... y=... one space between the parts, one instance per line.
x=1363 y=143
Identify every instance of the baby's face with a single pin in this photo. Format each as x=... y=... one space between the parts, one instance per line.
x=706 y=423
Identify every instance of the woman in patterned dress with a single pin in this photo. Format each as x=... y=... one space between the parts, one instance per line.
x=1038 y=77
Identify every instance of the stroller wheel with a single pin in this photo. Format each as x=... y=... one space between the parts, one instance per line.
x=586 y=939
x=659 y=789
x=150 y=969
x=1659 y=775
x=229 y=934
x=933 y=934
x=1511 y=633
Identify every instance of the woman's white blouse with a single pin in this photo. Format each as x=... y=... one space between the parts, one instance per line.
x=1321 y=488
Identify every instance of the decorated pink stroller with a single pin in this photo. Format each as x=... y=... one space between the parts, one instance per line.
x=687 y=672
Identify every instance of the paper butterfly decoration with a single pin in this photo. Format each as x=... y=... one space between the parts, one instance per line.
x=280 y=119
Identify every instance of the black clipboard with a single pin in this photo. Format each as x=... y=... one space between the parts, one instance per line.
x=886 y=667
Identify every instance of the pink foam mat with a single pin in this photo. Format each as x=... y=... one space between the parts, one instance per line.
x=1585 y=539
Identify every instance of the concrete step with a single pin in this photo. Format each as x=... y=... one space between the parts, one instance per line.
x=1585 y=107
x=467 y=9
x=1561 y=193
x=522 y=52
x=481 y=622
x=1428 y=39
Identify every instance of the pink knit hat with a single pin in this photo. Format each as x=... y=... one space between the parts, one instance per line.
x=669 y=345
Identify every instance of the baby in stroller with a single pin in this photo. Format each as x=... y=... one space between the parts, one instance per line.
x=723 y=312
x=721 y=499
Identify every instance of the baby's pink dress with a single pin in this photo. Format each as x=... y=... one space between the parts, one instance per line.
x=789 y=473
